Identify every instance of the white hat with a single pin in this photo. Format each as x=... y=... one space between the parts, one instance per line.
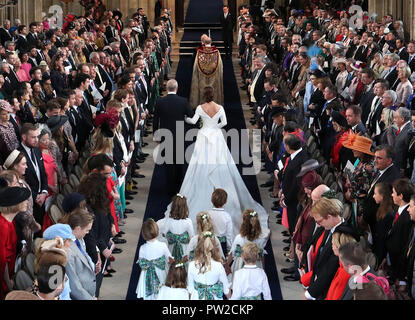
x=10 y=159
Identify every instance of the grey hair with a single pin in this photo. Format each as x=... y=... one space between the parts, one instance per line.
x=5 y=22
x=172 y=85
x=392 y=94
x=405 y=113
x=406 y=71
x=113 y=44
x=394 y=57
x=126 y=31
x=91 y=56
x=261 y=58
x=7 y=43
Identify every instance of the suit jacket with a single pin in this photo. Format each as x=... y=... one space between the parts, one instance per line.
x=227 y=27
x=30 y=174
x=396 y=244
x=404 y=55
x=361 y=54
x=5 y=36
x=324 y=268
x=22 y=44
x=288 y=178
x=81 y=274
x=16 y=127
x=170 y=109
x=31 y=39
x=125 y=51
x=409 y=263
x=401 y=147
x=369 y=213
x=366 y=103
x=259 y=86
x=391 y=78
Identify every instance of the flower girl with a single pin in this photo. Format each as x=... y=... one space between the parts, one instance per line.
x=153 y=259
x=175 y=287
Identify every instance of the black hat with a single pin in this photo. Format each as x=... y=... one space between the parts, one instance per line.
x=72 y=201
x=12 y=196
x=339 y=118
x=81 y=31
x=56 y=122
x=276 y=111
x=347 y=229
x=71 y=26
x=318 y=73
x=3 y=183
x=117 y=13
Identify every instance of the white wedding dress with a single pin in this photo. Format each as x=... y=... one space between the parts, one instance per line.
x=211 y=167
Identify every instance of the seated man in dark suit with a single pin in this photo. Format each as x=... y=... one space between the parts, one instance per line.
x=35 y=174
x=353 y=117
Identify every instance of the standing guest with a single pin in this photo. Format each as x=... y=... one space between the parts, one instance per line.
x=35 y=174
x=21 y=73
x=9 y=140
x=79 y=267
x=93 y=187
x=49 y=162
x=387 y=134
x=402 y=119
x=221 y=219
x=178 y=228
x=410 y=253
x=401 y=228
x=153 y=259
x=228 y=27
x=326 y=213
x=340 y=126
x=404 y=89
x=175 y=286
x=58 y=74
x=341 y=279
x=384 y=219
x=12 y=201
x=206 y=278
x=250 y=282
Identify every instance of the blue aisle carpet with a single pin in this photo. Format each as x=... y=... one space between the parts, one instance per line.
x=158 y=198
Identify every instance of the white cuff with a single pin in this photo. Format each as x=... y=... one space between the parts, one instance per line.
x=308 y=296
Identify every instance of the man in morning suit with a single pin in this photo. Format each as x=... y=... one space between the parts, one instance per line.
x=167 y=112
x=402 y=119
x=227 y=23
x=35 y=175
x=288 y=177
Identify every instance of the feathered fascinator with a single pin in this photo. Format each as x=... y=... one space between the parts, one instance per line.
x=107 y=122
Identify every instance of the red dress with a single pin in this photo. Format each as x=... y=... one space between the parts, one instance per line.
x=8 y=242
x=50 y=168
x=338 y=144
x=110 y=186
x=338 y=284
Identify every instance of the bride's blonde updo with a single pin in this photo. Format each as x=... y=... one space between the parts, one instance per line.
x=208 y=94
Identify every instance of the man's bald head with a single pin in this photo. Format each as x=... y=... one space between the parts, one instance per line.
x=318 y=192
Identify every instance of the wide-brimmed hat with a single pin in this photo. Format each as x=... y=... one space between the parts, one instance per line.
x=359 y=143
x=339 y=60
x=59 y=230
x=21 y=295
x=4 y=105
x=358 y=66
x=72 y=201
x=12 y=196
x=56 y=122
x=309 y=165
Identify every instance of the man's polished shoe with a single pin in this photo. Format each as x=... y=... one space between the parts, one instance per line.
x=286 y=249
x=127 y=197
x=140 y=161
x=293 y=277
x=131 y=193
x=145 y=155
x=275 y=208
x=139 y=176
x=134 y=188
x=278 y=216
x=145 y=144
x=135 y=175
x=107 y=275
x=128 y=211
x=267 y=184
x=127 y=203
x=285 y=233
x=289 y=270
x=276 y=202
x=111 y=271
x=279 y=221
x=117 y=250
x=288 y=241
x=119 y=241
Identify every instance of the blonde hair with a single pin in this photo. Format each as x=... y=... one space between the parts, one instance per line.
x=204 y=222
x=205 y=251
x=388 y=115
x=12 y=209
x=325 y=207
x=250 y=252
x=340 y=239
x=102 y=144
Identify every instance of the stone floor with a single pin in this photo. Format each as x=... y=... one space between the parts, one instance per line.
x=115 y=288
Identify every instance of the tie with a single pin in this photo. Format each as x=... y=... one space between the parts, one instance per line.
x=399 y=131
x=17 y=121
x=396 y=217
x=286 y=163
x=410 y=59
x=32 y=155
x=78 y=244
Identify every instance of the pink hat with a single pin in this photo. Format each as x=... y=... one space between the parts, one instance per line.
x=4 y=105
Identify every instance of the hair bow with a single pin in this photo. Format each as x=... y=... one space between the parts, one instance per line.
x=207 y=234
x=179 y=265
x=180 y=196
x=253 y=214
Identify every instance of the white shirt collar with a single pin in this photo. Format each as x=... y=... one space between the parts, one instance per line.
x=384 y=170
x=295 y=153
x=405 y=125
x=401 y=209
x=334 y=228
x=171 y=93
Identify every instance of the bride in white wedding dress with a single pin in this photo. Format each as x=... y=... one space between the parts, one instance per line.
x=212 y=166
